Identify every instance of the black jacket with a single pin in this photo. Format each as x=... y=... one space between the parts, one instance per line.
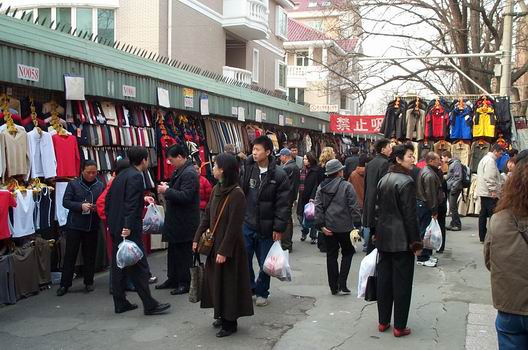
x=394 y=124
x=429 y=189
x=311 y=182
x=124 y=205
x=273 y=203
x=397 y=227
x=294 y=175
x=78 y=192
x=374 y=171
x=182 y=215
x=351 y=164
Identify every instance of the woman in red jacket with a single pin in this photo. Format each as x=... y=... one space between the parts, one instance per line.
x=205 y=189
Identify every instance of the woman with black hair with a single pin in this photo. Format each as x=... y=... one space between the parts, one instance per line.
x=309 y=183
x=226 y=287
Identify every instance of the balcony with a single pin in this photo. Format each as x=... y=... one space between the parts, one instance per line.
x=299 y=76
x=247 y=19
x=240 y=75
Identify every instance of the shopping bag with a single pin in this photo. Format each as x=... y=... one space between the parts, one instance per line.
x=433 y=236
x=128 y=254
x=277 y=264
x=371 y=293
x=309 y=211
x=367 y=268
x=197 y=276
x=153 y=220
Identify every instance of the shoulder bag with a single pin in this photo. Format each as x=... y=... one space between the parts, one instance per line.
x=205 y=244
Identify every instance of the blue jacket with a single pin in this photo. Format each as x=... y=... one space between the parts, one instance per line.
x=461 y=121
x=502 y=161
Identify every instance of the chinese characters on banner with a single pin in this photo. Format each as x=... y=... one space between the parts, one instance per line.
x=188 y=98
x=355 y=124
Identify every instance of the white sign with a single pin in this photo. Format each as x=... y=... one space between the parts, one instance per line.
x=289 y=121
x=281 y=120
x=163 y=97
x=264 y=118
x=324 y=108
x=74 y=88
x=204 y=104
x=234 y=111
x=129 y=91
x=258 y=115
x=28 y=72
x=241 y=114
x=324 y=129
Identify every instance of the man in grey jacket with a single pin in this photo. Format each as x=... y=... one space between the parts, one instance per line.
x=454 y=187
x=336 y=210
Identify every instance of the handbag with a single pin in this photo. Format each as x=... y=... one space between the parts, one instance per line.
x=197 y=276
x=205 y=244
x=371 y=293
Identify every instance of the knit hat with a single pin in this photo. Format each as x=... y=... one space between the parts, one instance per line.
x=333 y=166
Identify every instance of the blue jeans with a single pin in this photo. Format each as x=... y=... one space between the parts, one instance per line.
x=260 y=248
x=512 y=331
x=424 y=219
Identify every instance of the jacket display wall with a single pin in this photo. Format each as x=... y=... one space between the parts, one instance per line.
x=394 y=122
x=461 y=123
x=415 y=119
x=437 y=120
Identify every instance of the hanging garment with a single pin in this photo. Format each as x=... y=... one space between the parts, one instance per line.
x=436 y=122
x=484 y=121
x=393 y=124
x=504 y=117
x=61 y=213
x=478 y=150
x=42 y=154
x=6 y=201
x=23 y=222
x=461 y=151
x=415 y=118
x=42 y=213
x=43 y=251
x=7 y=280
x=461 y=121
x=25 y=269
x=67 y=155
x=16 y=151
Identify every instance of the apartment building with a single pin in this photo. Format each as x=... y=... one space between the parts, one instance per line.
x=241 y=39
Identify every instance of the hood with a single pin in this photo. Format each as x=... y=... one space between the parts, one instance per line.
x=330 y=186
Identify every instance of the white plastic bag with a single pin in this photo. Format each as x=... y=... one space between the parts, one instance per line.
x=153 y=220
x=433 y=236
x=128 y=254
x=277 y=263
x=366 y=269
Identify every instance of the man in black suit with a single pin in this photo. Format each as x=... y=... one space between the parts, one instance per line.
x=124 y=212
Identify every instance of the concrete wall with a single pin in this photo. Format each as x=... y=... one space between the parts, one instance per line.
x=215 y=5
x=267 y=65
x=137 y=23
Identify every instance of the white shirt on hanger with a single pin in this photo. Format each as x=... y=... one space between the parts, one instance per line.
x=23 y=224
x=61 y=213
x=41 y=155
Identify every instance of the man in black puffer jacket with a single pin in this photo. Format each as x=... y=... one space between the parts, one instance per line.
x=267 y=190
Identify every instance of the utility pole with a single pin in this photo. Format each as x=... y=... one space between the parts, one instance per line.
x=507 y=36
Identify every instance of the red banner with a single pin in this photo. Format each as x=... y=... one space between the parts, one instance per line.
x=355 y=124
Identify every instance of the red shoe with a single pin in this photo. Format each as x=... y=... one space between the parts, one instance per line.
x=401 y=332
x=383 y=327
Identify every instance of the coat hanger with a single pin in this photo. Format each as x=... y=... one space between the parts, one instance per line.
x=461 y=104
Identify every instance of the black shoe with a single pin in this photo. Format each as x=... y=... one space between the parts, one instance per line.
x=217 y=323
x=89 y=288
x=159 y=309
x=225 y=332
x=180 y=291
x=128 y=307
x=453 y=228
x=61 y=291
x=303 y=238
x=165 y=285
x=314 y=241
x=334 y=292
x=345 y=291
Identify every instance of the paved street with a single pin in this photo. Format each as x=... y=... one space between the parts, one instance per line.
x=450 y=310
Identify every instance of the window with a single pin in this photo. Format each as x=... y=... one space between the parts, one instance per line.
x=64 y=17
x=105 y=24
x=282 y=23
x=343 y=101
x=84 y=20
x=256 y=65
x=44 y=13
x=296 y=95
x=302 y=58
x=317 y=25
x=300 y=96
x=280 y=75
x=291 y=94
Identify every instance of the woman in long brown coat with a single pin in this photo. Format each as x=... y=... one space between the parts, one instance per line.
x=226 y=286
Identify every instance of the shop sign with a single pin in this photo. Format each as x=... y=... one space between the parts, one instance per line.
x=355 y=124
x=129 y=91
x=289 y=121
x=324 y=108
x=74 y=88
x=258 y=115
x=163 y=97
x=234 y=111
x=28 y=73
x=241 y=114
x=188 y=98
x=204 y=104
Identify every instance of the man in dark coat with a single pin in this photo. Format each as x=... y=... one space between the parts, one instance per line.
x=124 y=212
x=294 y=175
x=374 y=171
x=182 y=218
x=268 y=210
x=351 y=162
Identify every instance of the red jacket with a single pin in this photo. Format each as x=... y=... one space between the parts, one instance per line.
x=205 y=192
x=100 y=204
x=436 y=123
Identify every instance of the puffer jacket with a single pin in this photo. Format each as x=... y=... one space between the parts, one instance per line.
x=273 y=202
x=77 y=192
x=336 y=206
x=428 y=189
x=205 y=192
x=397 y=227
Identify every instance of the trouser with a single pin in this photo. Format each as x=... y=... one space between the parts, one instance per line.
x=424 y=219
x=259 y=247
x=371 y=236
x=74 y=239
x=138 y=273
x=179 y=262
x=395 y=278
x=453 y=205
x=487 y=206
x=442 y=214
x=337 y=278
x=321 y=241
x=287 y=236
x=512 y=331
x=307 y=230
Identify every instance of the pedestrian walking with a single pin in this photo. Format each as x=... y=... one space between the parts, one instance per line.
x=336 y=211
x=327 y=154
x=182 y=218
x=351 y=161
x=488 y=188
x=82 y=227
x=505 y=253
x=455 y=186
x=398 y=240
x=294 y=175
x=268 y=210
x=309 y=189
x=357 y=179
x=295 y=155
x=225 y=287
x=124 y=212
